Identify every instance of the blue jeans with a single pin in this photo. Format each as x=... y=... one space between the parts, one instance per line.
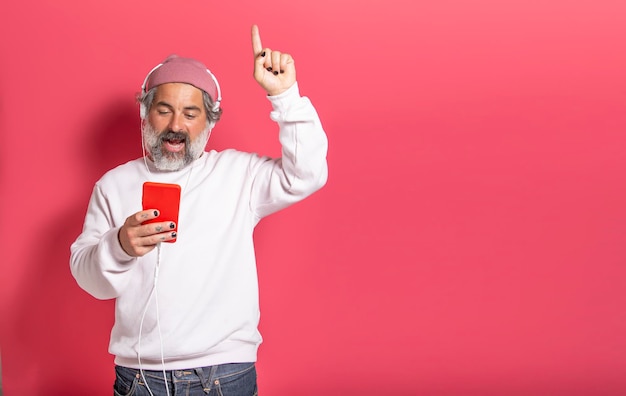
x=235 y=379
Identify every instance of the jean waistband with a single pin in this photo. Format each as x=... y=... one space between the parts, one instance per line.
x=206 y=374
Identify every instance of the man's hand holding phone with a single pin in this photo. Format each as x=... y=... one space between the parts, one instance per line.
x=156 y=223
x=138 y=238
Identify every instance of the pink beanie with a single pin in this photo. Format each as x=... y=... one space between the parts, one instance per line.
x=184 y=70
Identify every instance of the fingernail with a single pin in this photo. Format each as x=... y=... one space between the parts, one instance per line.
x=263 y=53
x=275 y=73
x=156 y=213
x=172 y=225
x=173 y=234
x=268 y=68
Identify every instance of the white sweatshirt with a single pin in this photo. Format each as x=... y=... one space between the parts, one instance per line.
x=207 y=289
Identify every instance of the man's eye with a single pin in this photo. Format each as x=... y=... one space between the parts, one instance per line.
x=163 y=112
x=190 y=116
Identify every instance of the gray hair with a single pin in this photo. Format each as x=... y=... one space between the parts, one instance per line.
x=213 y=116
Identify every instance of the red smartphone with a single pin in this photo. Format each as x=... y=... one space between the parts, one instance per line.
x=163 y=197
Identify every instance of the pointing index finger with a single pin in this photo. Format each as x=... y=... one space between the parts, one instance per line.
x=257 y=47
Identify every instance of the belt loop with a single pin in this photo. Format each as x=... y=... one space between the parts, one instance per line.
x=213 y=375
x=206 y=382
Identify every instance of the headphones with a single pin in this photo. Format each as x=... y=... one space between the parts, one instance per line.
x=143 y=112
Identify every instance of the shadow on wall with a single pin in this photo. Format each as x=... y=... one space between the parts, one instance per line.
x=58 y=328
x=112 y=138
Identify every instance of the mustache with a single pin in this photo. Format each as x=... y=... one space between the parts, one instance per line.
x=171 y=135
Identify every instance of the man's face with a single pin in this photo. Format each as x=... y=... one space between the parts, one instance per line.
x=176 y=129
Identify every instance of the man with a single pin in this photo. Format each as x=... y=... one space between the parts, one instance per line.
x=186 y=313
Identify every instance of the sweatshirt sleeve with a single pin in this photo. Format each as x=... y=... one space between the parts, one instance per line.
x=302 y=168
x=97 y=261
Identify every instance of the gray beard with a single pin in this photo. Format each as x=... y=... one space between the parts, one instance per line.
x=167 y=161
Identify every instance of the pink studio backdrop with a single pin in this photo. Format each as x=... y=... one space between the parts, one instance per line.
x=470 y=240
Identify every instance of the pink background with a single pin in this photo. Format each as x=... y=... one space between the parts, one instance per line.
x=470 y=240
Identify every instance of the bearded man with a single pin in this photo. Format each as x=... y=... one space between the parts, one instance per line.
x=187 y=313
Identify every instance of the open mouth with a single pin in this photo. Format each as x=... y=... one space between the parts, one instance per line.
x=174 y=142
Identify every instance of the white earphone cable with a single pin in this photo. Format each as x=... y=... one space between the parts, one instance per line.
x=154 y=293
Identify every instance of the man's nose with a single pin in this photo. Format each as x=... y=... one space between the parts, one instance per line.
x=176 y=123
